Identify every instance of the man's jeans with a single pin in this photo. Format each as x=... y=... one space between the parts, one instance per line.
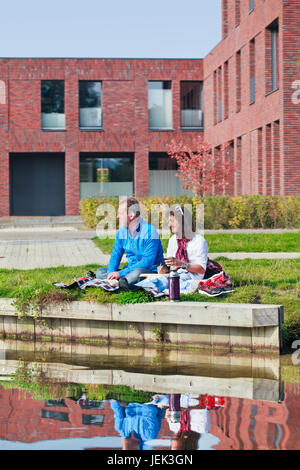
x=132 y=278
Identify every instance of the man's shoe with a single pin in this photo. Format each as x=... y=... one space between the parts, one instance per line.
x=123 y=284
x=91 y=275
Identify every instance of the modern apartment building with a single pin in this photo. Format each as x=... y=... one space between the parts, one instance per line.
x=251 y=96
x=77 y=127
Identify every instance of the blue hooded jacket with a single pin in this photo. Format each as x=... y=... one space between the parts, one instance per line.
x=143 y=421
x=143 y=249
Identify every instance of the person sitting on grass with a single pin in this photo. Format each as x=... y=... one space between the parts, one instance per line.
x=139 y=241
x=188 y=254
x=187 y=249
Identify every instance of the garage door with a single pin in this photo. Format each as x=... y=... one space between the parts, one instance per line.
x=37 y=184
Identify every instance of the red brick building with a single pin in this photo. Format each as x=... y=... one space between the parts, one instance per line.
x=242 y=424
x=250 y=93
x=71 y=128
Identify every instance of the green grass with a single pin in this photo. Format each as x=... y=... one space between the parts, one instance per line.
x=255 y=281
x=218 y=243
x=35 y=381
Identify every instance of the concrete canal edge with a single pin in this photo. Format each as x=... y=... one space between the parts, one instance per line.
x=231 y=327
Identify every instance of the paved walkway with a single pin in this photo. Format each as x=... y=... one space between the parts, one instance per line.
x=30 y=254
x=29 y=246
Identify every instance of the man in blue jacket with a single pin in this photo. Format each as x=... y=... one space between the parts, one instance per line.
x=137 y=423
x=139 y=241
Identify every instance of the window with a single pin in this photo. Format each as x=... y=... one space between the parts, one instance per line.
x=106 y=174
x=225 y=18
x=95 y=420
x=252 y=70
x=276 y=157
x=274 y=41
x=251 y=5
x=268 y=153
x=53 y=104
x=2 y=92
x=238 y=81
x=90 y=110
x=161 y=161
x=260 y=159
x=106 y=168
x=160 y=105
x=191 y=105
x=272 y=57
x=215 y=98
x=57 y=415
x=238 y=171
x=57 y=403
x=226 y=90
x=237 y=12
x=220 y=104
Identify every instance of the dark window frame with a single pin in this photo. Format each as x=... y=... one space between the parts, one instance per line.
x=190 y=98
x=48 y=105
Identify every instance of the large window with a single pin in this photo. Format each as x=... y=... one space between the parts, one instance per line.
x=53 y=104
x=160 y=105
x=109 y=174
x=191 y=104
x=90 y=110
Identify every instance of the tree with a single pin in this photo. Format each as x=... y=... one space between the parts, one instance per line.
x=202 y=171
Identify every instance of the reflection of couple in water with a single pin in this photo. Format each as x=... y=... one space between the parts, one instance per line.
x=139 y=423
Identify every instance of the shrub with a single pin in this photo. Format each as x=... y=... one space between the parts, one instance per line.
x=221 y=212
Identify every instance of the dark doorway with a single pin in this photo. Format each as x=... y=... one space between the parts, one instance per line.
x=37 y=184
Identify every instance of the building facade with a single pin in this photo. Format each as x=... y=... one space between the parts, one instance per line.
x=72 y=128
x=252 y=101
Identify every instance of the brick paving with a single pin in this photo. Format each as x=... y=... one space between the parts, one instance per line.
x=50 y=247
x=30 y=254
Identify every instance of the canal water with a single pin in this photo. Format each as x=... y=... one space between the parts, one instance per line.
x=74 y=397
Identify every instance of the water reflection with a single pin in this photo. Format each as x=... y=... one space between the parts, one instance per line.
x=86 y=402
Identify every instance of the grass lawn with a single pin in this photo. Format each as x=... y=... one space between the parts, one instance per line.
x=255 y=281
x=218 y=243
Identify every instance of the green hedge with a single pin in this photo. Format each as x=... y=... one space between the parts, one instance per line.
x=221 y=212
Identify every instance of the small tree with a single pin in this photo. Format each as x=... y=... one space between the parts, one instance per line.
x=200 y=170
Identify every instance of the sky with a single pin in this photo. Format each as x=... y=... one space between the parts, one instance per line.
x=110 y=28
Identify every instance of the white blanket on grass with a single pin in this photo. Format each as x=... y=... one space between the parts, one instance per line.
x=188 y=283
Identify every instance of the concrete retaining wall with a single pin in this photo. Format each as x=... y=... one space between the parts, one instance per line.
x=184 y=324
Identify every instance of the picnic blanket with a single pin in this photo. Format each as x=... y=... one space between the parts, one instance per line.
x=111 y=286
x=159 y=286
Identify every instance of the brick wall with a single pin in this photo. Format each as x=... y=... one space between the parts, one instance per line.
x=264 y=134
x=125 y=114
